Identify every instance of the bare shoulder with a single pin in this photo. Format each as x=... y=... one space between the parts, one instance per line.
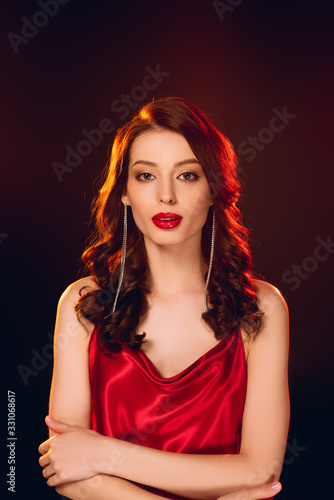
x=275 y=320
x=270 y=300
x=73 y=291
x=274 y=332
x=67 y=318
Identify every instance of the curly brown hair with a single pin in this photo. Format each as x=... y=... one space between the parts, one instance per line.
x=232 y=290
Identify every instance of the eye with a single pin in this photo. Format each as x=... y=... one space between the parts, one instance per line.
x=189 y=176
x=145 y=176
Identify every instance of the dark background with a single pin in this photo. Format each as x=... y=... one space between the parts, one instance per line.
x=240 y=67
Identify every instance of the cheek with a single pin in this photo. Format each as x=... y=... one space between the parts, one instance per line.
x=139 y=208
x=134 y=196
x=138 y=213
x=140 y=193
x=200 y=200
x=141 y=223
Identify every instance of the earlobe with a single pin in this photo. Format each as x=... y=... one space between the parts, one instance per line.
x=125 y=200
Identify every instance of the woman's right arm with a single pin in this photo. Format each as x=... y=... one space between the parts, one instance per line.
x=70 y=397
x=70 y=387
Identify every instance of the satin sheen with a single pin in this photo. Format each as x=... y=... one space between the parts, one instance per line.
x=199 y=410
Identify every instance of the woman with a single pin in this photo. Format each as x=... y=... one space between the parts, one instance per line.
x=170 y=373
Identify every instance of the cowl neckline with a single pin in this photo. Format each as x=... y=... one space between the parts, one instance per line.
x=208 y=355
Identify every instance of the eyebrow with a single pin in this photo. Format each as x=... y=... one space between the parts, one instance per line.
x=178 y=164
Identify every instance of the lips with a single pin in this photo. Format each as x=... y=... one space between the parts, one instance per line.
x=166 y=220
x=166 y=215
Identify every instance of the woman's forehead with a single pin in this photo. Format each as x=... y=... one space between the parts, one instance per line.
x=158 y=145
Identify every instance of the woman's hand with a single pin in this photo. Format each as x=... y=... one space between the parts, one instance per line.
x=254 y=493
x=73 y=454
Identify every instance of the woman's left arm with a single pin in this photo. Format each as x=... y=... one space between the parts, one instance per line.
x=264 y=428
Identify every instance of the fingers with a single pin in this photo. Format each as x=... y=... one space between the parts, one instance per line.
x=255 y=493
x=56 y=425
x=44 y=447
x=48 y=471
x=44 y=461
x=52 y=424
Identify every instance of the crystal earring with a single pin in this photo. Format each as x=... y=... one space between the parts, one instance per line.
x=121 y=274
x=211 y=260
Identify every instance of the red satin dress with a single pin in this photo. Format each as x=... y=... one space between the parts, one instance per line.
x=199 y=410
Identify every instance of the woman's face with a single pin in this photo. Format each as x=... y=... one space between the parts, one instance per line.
x=167 y=189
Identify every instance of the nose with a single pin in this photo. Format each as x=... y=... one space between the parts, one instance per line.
x=167 y=199
x=167 y=194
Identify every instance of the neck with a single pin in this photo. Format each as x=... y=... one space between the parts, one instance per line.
x=176 y=269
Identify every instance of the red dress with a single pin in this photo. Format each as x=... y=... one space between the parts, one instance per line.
x=198 y=410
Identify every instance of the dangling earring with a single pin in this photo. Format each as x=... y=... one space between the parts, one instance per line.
x=211 y=260
x=121 y=274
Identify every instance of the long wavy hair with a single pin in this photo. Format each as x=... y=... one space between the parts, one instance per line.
x=231 y=292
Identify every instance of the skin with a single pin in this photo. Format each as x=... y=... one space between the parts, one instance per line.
x=76 y=459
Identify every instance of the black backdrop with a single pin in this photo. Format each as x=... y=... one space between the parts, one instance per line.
x=262 y=73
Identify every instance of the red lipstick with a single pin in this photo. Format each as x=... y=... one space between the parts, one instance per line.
x=166 y=220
